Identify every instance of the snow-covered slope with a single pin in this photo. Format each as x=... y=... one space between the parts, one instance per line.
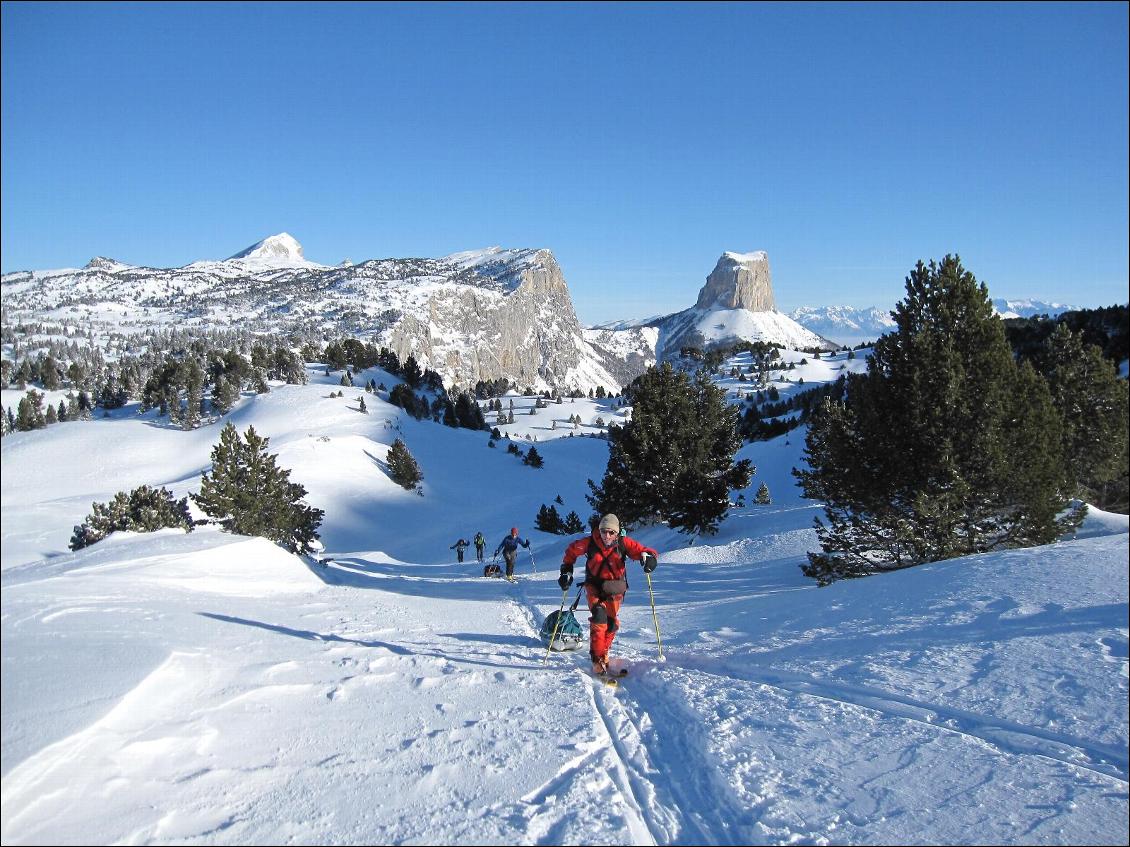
x=717 y=327
x=209 y=688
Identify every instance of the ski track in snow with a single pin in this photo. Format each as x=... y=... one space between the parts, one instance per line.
x=698 y=804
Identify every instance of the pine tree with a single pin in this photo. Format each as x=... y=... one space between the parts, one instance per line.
x=412 y=373
x=945 y=447
x=402 y=466
x=674 y=460
x=572 y=524
x=762 y=498
x=144 y=509
x=30 y=412
x=548 y=520
x=533 y=458
x=1093 y=405
x=249 y=494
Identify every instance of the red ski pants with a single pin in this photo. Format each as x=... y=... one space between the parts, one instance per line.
x=603 y=623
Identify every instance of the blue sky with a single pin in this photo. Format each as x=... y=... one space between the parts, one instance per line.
x=636 y=141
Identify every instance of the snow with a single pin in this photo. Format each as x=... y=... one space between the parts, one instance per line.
x=724 y=325
x=211 y=688
x=746 y=258
x=276 y=251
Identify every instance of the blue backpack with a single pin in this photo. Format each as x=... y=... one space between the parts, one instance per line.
x=569 y=635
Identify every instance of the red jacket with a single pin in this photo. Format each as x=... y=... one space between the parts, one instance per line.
x=605 y=561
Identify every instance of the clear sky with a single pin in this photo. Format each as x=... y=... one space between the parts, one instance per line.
x=637 y=141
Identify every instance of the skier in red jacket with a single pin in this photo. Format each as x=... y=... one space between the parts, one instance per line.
x=605 y=581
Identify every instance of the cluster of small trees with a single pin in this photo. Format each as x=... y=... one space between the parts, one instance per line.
x=144 y=509
x=949 y=446
x=246 y=492
x=549 y=520
x=182 y=374
x=765 y=419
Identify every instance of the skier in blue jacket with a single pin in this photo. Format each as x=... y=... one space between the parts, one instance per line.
x=509 y=548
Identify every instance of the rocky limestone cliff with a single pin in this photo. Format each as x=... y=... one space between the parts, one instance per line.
x=528 y=332
x=739 y=281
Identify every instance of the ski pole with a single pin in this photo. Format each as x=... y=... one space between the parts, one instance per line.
x=654 y=617
x=532 y=562
x=556 y=625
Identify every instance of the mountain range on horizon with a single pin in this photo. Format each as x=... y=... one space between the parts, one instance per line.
x=475 y=315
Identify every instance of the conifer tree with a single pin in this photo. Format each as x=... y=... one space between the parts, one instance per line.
x=572 y=524
x=249 y=494
x=412 y=373
x=674 y=460
x=144 y=509
x=402 y=466
x=533 y=458
x=29 y=414
x=1093 y=405
x=762 y=498
x=548 y=520
x=945 y=447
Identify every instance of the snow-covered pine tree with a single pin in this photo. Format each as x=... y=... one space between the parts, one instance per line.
x=762 y=497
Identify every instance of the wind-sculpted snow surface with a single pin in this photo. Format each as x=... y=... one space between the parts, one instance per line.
x=407 y=703
x=213 y=689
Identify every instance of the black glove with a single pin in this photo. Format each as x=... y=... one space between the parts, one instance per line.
x=565 y=580
x=650 y=563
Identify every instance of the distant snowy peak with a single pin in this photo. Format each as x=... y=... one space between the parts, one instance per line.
x=499 y=262
x=281 y=250
x=101 y=263
x=851 y=326
x=1030 y=308
x=845 y=324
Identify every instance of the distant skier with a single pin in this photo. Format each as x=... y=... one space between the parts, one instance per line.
x=459 y=546
x=480 y=545
x=606 y=582
x=509 y=548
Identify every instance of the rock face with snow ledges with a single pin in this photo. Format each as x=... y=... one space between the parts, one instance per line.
x=478 y=315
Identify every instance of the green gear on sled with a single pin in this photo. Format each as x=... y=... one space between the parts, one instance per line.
x=569 y=635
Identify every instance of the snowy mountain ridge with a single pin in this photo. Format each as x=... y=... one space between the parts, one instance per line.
x=474 y=315
x=851 y=325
